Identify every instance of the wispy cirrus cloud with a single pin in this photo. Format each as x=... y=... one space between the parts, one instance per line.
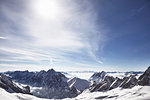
x=49 y=30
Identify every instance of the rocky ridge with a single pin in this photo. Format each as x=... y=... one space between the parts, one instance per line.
x=7 y=84
x=109 y=82
x=48 y=84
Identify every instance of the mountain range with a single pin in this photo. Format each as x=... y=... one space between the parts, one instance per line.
x=55 y=85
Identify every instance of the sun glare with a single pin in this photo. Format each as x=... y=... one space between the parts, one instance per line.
x=47 y=9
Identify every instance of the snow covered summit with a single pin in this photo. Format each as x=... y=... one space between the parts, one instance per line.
x=45 y=84
x=98 y=76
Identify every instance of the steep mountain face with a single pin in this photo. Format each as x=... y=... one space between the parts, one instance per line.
x=109 y=82
x=126 y=82
x=50 y=84
x=129 y=82
x=103 y=85
x=98 y=77
x=7 y=84
x=144 y=79
x=79 y=84
x=38 y=79
x=116 y=83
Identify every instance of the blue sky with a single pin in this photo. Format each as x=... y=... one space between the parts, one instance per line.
x=111 y=35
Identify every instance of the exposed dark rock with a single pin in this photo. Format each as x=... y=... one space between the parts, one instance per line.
x=144 y=79
x=109 y=79
x=116 y=83
x=51 y=84
x=110 y=82
x=73 y=89
x=98 y=77
x=7 y=84
x=102 y=86
x=129 y=82
x=95 y=86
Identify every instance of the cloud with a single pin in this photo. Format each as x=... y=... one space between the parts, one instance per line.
x=49 y=30
x=3 y=37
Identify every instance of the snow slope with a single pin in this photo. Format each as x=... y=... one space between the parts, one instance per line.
x=136 y=93
x=79 y=84
x=4 y=95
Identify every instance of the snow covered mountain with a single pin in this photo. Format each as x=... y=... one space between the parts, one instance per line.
x=102 y=85
x=45 y=84
x=79 y=84
x=7 y=84
x=144 y=79
x=104 y=82
x=105 y=87
x=87 y=74
x=110 y=82
x=135 y=93
x=98 y=77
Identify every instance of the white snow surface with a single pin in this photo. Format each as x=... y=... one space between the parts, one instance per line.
x=136 y=93
x=79 y=84
x=4 y=95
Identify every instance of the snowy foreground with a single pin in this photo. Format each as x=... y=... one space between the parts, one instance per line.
x=136 y=93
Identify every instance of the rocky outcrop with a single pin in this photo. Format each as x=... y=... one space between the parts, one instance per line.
x=103 y=85
x=116 y=83
x=109 y=82
x=50 y=84
x=144 y=79
x=126 y=82
x=129 y=82
x=7 y=84
x=98 y=77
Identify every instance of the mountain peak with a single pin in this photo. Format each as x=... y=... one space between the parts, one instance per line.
x=148 y=70
x=51 y=70
x=98 y=76
x=145 y=77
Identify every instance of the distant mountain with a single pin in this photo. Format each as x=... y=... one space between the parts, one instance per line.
x=110 y=83
x=80 y=71
x=79 y=84
x=104 y=82
x=7 y=84
x=37 y=79
x=98 y=77
x=50 y=84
